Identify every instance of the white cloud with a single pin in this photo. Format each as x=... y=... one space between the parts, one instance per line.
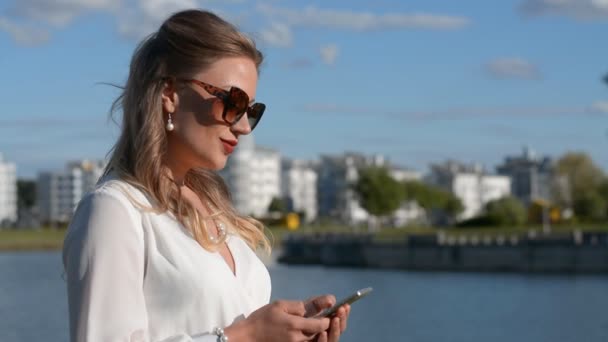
x=24 y=35
x=329 y=53
x=60 y=12
x=464 y=113
x=600 y=107
x=577 y=9
x=134 y=18
x=278 y=34
x=145 y=18
x=29 y=122
x=314 y=17
x=512 y=68
x=159 y=9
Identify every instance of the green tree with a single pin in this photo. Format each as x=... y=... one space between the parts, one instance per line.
x=590 y=206
x=432 y=198
x=506 y=211
x=26 y=193
x=453 y=206
x=602 y=189
x=580 y=170
x=277 y=204
x=421 y=193
x=379 y=193
x=583 y=178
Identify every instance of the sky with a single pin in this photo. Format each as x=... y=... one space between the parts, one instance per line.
x=417 y=81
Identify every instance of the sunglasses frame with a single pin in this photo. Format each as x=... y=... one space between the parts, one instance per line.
x=254 y=111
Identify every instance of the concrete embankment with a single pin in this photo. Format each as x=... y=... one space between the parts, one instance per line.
x=571 y=253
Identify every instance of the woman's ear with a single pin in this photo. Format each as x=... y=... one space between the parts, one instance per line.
x=169 y=97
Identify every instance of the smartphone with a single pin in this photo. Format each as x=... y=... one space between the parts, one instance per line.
x=348 y=300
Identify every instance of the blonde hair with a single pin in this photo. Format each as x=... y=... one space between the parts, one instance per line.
x=186 y=42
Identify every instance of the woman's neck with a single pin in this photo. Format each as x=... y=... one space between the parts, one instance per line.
x=177 y=171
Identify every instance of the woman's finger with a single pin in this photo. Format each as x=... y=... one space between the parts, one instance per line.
x=334 y=330
x=345 y=310
x=323 y=302
x=310 y=325
x=322 y=337
x=292 y=307
x=316 y=304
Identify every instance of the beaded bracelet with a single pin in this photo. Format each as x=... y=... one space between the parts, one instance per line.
x=221 y=337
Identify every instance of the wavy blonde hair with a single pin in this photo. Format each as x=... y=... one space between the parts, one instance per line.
x=187 y=42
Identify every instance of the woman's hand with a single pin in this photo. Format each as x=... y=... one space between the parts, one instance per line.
x=281 y=321
x=338 y=321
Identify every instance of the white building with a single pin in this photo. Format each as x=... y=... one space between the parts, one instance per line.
x=8 y=192
x=532 y=176
x=409 y=211
x=337 y=198
x=59 y=192
x=471 y=184
x=402 y=174
x=253 y=175
x=336 y=176
x=299 y=187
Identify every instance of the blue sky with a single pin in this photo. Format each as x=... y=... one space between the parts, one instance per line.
x=417 y=81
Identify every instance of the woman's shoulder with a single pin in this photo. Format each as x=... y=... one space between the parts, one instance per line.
x=105 y=216
x=113 y=188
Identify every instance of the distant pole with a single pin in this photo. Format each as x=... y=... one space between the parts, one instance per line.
x=605 y=79
x=546 y=220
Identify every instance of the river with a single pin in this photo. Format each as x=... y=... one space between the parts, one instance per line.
x=404 y=306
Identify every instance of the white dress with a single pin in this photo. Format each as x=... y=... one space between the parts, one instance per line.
x=134 y=275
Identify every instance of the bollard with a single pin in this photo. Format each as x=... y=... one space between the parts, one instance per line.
x=462 y=240
x=500 y=240
x=578 y=237
x=474 y=240
x=487 y=240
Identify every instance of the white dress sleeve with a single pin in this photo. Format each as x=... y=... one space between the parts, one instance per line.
x=104 y=260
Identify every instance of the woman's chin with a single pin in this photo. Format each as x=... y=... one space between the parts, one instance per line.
x=214 y=164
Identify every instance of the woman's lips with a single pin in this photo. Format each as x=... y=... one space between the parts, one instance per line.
x=229 y=145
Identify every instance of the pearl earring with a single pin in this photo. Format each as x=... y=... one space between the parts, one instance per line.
x=169 y=125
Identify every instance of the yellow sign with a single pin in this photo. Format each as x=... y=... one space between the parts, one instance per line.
x=555 y=215
x=293 y=221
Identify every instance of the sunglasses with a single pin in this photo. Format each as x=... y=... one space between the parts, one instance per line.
x=236 y=103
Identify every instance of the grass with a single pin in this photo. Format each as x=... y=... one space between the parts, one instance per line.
x=384 y=234
x=396 y=234
x=52 y=239
x=31 y=239
x=554 y=229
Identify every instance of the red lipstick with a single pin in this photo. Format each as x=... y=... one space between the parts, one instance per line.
x=229 y=145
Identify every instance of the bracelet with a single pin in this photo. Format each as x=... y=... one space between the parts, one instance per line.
x=221 y=337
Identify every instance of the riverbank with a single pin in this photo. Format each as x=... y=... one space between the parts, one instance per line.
x=31 y=239
x=576 y=251
x=52 y=238
x=48 y=239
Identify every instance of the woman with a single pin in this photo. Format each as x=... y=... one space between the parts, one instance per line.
x=156 y=252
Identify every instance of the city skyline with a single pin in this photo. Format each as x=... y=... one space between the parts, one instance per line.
x=525 y=152
x=420 y=82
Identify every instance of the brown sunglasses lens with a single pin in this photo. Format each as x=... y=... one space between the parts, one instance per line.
x=237 y=103
x=254 y=114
